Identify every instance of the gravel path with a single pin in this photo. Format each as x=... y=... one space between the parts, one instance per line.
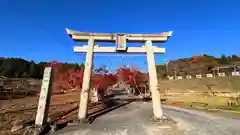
x=192 y=122
x=134 y=119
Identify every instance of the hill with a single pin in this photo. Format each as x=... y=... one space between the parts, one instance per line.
x=195 y=65
x=19 y=68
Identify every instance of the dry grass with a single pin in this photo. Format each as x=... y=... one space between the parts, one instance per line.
x=25 y=108
x=203 y=101
x=195 y=93
x=219 y=84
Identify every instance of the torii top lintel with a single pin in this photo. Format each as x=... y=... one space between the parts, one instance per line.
x=111 y=37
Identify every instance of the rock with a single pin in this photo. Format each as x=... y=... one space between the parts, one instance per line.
x=54 y=127
x=16 y=122
x=165 y=120
x=16 y=128
x=36 y=130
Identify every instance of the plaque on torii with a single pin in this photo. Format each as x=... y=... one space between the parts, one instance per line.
x=120 y=39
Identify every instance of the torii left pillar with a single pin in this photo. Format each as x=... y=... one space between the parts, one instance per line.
x=84 y=96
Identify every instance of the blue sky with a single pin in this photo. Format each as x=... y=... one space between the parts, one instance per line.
x=35 y=29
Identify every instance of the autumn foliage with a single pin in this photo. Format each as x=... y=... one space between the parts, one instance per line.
x=66 y=78
x=132 y=77
x=103 y=81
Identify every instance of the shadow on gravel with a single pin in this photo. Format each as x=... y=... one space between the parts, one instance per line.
x=109 y=105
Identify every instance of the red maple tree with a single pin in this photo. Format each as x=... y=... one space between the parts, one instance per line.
x=65 y=78
x=132 y=76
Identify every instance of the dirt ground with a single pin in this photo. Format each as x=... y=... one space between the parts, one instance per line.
x=24 y=109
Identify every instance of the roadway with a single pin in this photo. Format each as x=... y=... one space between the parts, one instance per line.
x=134 y=119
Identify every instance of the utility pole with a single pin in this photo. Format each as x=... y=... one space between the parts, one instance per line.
x=175 y=73
x=166 y=64
x=234 y=68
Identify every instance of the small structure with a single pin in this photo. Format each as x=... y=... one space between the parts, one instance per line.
x=179 y=77
x=199 y=76
x=95 y=97
x=221 y=68
x=170 y=77
x=189 y=77
x=235 y=73
x=209 y=75
x=227 y=69
x=45 y=98
x=221 y=74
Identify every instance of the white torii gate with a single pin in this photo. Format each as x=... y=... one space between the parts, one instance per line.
x=121 y=39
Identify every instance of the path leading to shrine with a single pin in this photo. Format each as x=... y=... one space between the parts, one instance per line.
x=133 y=119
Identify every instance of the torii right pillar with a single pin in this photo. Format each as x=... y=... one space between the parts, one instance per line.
x=153 y=81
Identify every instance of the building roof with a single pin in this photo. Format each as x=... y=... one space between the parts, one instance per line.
x=224 y=67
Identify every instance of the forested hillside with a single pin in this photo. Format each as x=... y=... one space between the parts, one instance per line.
x=196 y=65
x=17 y=67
